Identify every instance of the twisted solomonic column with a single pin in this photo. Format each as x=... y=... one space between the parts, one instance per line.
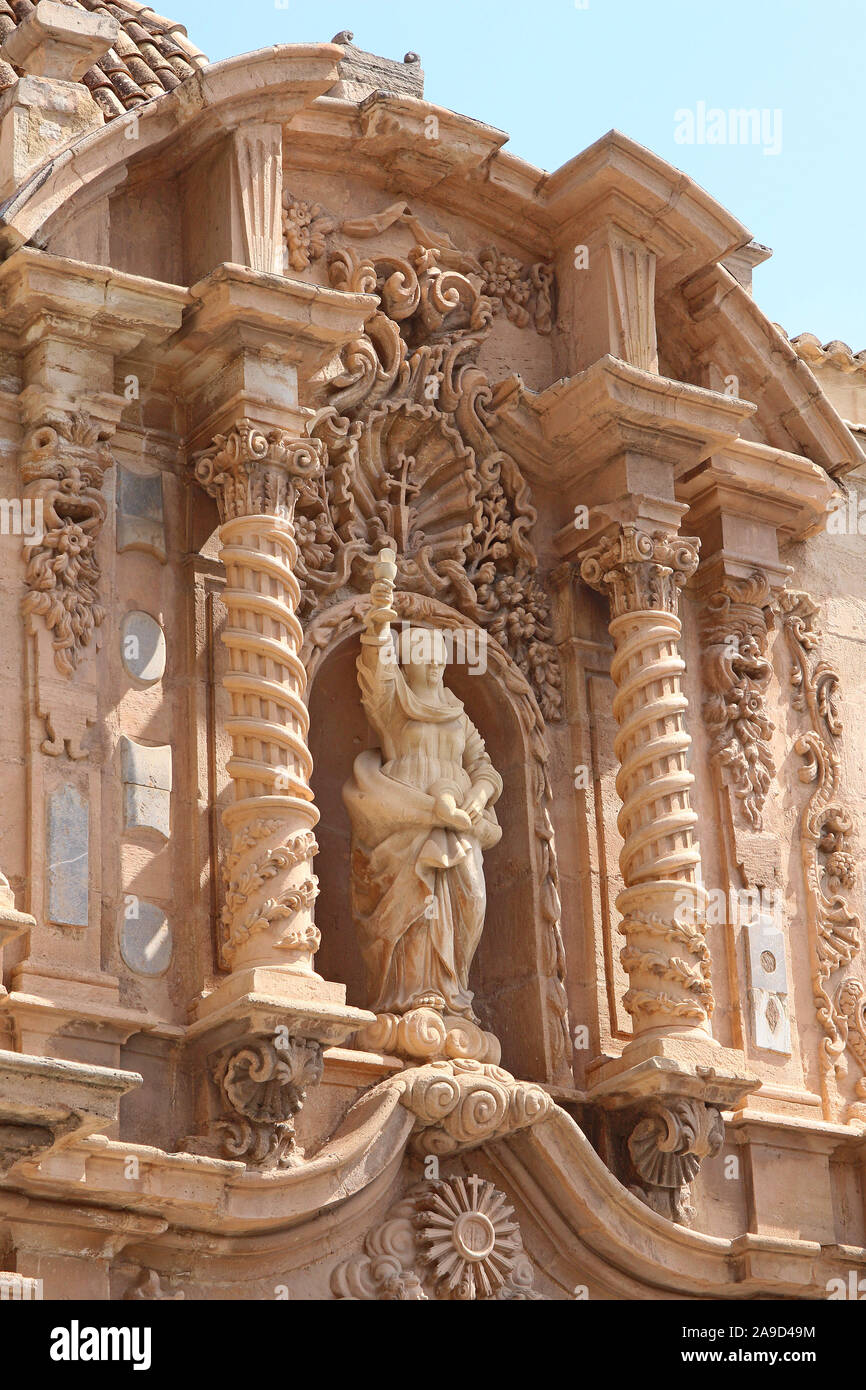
x=270 y=887
x=663 y=904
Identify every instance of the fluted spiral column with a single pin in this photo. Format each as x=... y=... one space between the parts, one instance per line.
x=663 y=903
x=270 y=886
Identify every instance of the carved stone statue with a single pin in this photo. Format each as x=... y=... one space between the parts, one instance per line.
x=421 y=809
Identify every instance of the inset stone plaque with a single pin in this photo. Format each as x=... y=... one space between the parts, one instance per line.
x=142 y=647
x=140 y=522
x=68 y=857
x=146 y=776
x=768 y=981
x=145 y=938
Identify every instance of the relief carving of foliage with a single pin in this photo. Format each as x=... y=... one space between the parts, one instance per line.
x=412 y=463
x=829 y=864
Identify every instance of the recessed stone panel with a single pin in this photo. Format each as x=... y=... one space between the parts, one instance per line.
x=145 y=938
x=140 y=519
x=146 y=773
x=142 y=647
x=68 y=867
x=768 y=980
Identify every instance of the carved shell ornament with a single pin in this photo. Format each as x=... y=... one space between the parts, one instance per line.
x=410 y=462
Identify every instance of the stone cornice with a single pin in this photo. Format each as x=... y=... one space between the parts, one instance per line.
x=724 y=316
x=571 y=429
x=559 y=1176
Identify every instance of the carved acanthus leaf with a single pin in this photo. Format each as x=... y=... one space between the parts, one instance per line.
x=667 y=1147
x=253 y=472
x=640 y=570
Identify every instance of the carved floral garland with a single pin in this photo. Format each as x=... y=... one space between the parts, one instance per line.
x=65 y=459
x=737 y=672
x=829 y=866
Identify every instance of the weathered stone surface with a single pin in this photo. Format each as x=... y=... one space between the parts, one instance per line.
x=142 y=647
x=140 y=522
x=145 y=938
x=610 y=477
x=146 y=773
x=68 y=857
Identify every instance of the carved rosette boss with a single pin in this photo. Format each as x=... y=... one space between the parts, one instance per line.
x=270 y=887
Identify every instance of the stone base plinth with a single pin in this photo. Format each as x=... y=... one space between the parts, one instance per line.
x=693 y=1067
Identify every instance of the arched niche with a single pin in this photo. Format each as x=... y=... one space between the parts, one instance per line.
x=517 y=974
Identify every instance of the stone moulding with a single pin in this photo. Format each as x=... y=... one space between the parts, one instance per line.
x=62 y=467
x=46 y=1102
x=737 y=674
x=828 y=862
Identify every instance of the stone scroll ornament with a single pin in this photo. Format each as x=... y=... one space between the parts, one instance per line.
x=421 y=811
x=737 y=674
x=262 y=1084
x=410 y=462
x=829 y=863
x=63 y=465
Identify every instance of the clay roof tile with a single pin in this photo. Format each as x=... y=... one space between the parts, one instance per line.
x=152 y=54
x=107 y=98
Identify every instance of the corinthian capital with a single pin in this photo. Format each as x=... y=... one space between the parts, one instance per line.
x=256 y=472
x=640 y=570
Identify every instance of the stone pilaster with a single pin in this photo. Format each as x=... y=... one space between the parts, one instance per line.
x=72 y=325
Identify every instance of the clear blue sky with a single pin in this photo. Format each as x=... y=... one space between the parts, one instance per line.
x=556 y=76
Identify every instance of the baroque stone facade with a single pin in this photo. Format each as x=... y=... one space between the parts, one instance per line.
x=430 y=746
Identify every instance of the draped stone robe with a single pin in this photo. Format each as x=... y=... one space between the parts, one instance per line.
x=417 y=889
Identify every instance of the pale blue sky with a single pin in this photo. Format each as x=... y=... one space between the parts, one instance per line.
x=556 y=76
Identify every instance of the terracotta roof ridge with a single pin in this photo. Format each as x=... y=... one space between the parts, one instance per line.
x=836 y=353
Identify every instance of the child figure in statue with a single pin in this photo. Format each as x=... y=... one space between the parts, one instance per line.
x=421 y=809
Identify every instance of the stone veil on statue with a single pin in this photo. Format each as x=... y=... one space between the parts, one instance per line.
x=421 y=810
